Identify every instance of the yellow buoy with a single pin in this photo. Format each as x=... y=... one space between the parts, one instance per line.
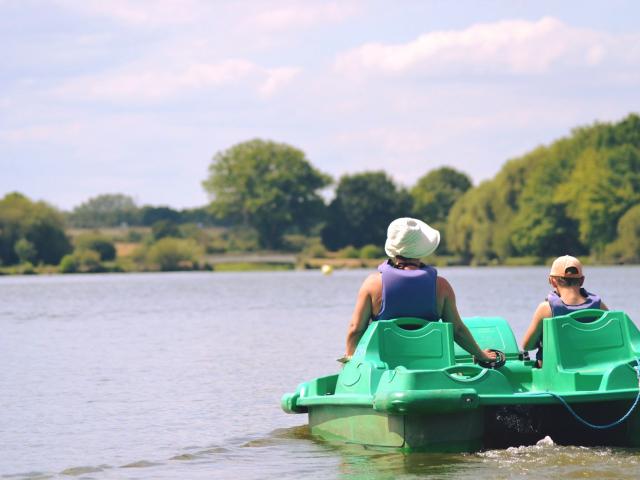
x=326 y=269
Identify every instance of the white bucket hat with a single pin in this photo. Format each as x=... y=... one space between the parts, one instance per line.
x=411 y=238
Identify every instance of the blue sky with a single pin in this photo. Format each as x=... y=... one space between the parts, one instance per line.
x=136 y=96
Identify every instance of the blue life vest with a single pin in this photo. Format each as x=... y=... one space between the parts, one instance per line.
x=558 y=308
x=408 y=293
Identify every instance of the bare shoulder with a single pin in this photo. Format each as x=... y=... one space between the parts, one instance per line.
x=443 y=287
x=543 y=310
x=372 y=283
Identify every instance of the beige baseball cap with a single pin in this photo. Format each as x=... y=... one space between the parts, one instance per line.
x=560 y=266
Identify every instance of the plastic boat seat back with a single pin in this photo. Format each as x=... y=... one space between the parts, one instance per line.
x=414 y=344
x=571 y=345
x=489 y=332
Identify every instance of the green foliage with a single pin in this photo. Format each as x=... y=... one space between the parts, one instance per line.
x=435 y=193
x=36 y=222
x=604 y=185
x=98 y=243
x=372 y=251
x=349 y=252
x=468 y=229
x=107 y=210
x=81 y=261
x=134 y=236
x=201 y=216
x=164 y=228
x=269 y=186
x=566 y=198
x=362 y=209
x=252 y=267
x=626 y=248
x=25 y=250
x=315 y=250
x=150 y=215
x=170 y=254
x=241 y=239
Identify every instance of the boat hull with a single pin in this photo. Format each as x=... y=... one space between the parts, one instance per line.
x=473 y=430
x=452 y=432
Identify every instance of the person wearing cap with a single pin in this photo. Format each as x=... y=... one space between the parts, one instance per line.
x=406 y=287
x=566 y=279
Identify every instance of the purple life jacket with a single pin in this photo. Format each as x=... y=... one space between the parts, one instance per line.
x=558 y=307
x=408 y=293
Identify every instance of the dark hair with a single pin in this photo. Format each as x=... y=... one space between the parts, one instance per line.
x=569 y=281
x=400 y=262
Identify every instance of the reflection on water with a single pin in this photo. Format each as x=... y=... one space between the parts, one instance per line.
x=170 y=376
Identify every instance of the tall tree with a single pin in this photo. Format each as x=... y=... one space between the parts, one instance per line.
x=626 y=248
x=269 y=186
x=435 y=193
x=364 y=205
x=563 y=198
x=150 y=215
x=34 y=224
x=107 y=210
x=433 y=196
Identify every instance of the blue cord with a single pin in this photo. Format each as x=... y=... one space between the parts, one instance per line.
x=589 y=424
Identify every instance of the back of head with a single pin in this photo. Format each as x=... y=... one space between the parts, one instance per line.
x=567 y=271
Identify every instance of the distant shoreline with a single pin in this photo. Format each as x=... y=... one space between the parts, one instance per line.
x=275 y=261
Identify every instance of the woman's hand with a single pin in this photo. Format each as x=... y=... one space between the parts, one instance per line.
x=488 y=356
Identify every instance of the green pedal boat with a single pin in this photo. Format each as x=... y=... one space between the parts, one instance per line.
x=409 y=387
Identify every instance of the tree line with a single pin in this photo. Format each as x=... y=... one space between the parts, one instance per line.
x=579 y=195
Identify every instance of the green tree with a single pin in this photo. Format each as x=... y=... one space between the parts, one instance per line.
x=269 y=186
x=469 y=231
x=433 y=196
x=199 y=216
x=38 y=223
x=170 y=254
x=626 y=248
x=81 y=261
x=364 y=205
x=25 y=250
x=563 y=198
x=150 y=215
x=107 y=210
x=604 y=185
x=435 y=193
x=98 y=243
x=164 y=228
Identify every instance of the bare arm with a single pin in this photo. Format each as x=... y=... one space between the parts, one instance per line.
x=461 y=333
x=360 y=317
x=533 y=333
x=603 y=306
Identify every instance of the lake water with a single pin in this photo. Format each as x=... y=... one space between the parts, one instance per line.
x=176 y=376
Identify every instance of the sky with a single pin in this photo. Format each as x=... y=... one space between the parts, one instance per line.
x=137 y=96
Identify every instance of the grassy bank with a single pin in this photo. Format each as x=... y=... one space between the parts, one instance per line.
x=219 y=250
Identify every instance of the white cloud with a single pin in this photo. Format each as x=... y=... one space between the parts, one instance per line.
x=158 y=84
x=302 y=15
x=510 y=46
x=276 y=79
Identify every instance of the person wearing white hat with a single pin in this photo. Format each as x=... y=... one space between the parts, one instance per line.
x=406 y=287
x=566 y=279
